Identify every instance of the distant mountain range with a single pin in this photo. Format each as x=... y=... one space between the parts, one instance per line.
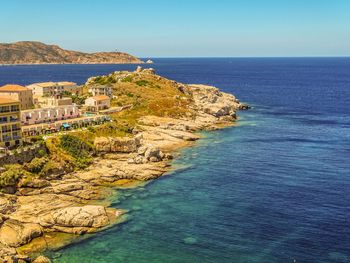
x=29 y=52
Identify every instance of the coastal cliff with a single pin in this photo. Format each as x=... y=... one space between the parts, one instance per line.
x=136 y=146
x=29 y=52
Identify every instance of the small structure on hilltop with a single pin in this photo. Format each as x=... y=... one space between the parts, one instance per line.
x=97 y=103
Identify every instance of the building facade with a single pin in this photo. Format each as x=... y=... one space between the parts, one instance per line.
x=97 y=90
x=44 y=89
x=10 y=123
x=70 y=87
x=58 y=101
x=19 y=93
x=47 y=89
x=49 y=114
x=97 y=103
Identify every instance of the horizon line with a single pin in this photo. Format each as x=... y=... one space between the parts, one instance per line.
x=325 y=56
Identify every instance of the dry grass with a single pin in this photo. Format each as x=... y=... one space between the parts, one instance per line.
x=150 y=95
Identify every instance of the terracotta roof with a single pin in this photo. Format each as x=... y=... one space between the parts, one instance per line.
x=13 y=87
x=7 y=101
x=100 y=97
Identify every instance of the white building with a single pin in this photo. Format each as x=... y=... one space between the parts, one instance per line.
x=97 y=103
x=49 y=114
x=47 y=89
x=97 y=90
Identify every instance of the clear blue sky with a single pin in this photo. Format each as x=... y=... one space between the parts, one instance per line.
x=176 y=28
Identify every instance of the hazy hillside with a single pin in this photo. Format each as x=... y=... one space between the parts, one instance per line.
x=28 y=52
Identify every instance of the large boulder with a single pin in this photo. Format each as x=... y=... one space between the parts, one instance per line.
x=14 y=233
x=102 y=144
x=117 y=144
x=152 y=153
x=124 y=144
x=76 y=220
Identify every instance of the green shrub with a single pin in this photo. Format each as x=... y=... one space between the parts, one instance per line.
x=36 y=139
x=142 y=82
x=66 y=93
x=104 y=80
x=127 y=79
x=42 y=153
x=12 y=175
x=75 y=146
x=79 y=100
x=36 y=165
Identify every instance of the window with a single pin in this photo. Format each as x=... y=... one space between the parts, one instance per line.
x=13 y=118
x=5 y=109
x=14 y=108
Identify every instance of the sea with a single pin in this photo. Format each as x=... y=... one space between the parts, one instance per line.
x=273 y=188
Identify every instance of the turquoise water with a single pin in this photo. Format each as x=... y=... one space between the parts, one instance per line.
x=273 y=189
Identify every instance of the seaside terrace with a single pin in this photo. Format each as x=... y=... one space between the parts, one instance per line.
x=64 y=125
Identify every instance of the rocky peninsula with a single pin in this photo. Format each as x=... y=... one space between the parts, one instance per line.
x=30 y=52
x=48 y=207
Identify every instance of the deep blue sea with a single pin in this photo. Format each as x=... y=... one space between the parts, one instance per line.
x=275 y=188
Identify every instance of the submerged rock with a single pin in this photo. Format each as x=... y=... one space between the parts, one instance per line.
x=190 y=240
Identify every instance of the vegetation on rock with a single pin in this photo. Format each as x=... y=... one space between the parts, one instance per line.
x=12 y=175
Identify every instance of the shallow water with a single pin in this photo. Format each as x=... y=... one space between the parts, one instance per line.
x=275 y=188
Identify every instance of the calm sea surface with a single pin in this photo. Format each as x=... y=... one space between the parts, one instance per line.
x=276 y=188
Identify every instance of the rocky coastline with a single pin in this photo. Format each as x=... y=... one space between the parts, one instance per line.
x=40 y=213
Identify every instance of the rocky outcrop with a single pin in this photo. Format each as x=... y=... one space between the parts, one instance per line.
x=14 y=233
x=117 y=144
x=23 y=156
x=29 y=52
x=210 y=100
x=7 y=204
x=76 y=220
x=149 y=153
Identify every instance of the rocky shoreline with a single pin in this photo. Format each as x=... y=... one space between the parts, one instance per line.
x=33 y=218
